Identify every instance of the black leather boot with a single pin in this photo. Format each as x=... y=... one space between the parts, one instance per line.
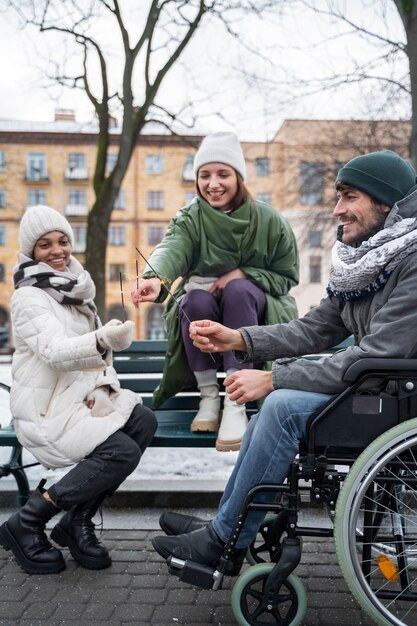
x=201 y=546
x=75 y=530
x=179 y=523
x=24 y=534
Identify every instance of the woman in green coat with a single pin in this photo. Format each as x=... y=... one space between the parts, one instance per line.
x=238 y=260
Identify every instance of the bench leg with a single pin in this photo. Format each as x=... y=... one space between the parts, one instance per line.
x=14 y=467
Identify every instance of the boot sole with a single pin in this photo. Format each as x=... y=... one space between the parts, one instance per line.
x=204 y=427
x=228 y=446
x=59 y=536
x=8 y=542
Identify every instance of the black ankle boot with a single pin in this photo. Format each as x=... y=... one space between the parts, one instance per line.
x=24 y=534
x=75 y=530
x=179 y=523
x=201 y=546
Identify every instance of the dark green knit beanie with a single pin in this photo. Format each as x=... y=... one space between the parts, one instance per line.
x=385 y=176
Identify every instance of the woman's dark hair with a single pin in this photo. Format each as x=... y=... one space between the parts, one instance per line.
x=242 y=194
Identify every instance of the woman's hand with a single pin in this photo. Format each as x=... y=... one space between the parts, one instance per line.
x=221 y=282
x=211 y=336
x=147 y=290
x=246 y=385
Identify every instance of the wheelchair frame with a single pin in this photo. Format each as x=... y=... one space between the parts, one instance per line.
x=374 y=500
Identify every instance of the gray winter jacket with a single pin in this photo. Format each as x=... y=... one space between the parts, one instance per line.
x=383 y=325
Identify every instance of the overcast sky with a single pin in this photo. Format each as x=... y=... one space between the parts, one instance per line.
x=292 y=45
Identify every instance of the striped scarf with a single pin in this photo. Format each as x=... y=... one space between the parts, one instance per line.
x=73 y=287
x=358 y=272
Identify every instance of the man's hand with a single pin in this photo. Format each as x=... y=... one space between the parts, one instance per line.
x=221 y=282
x=211 y=336
x=246 y=385
x=147 y=291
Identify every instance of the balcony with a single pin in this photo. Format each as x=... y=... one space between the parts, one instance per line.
x=74 y=210
x=76 y=173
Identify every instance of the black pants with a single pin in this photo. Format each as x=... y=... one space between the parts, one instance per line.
x=107 y=466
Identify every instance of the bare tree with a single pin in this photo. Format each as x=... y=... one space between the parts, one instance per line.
x=163 y=31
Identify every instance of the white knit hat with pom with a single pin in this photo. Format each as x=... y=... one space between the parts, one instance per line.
x=37 y=221
x=221 y=147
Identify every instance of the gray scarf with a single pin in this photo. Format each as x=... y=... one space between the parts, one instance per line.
x=74 y=286
x=358 y=272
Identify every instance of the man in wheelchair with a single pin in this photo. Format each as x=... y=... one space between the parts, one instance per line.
x=371 y=294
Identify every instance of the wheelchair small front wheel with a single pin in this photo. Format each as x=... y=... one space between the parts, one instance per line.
x=287 y=608
x=376 y=527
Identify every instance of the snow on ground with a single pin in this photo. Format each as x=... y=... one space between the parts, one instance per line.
x=156 y=464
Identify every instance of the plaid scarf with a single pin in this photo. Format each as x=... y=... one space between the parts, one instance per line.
x=74 y=286
x=358 y=272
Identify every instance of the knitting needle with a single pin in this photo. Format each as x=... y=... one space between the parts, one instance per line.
x=137 y=274
x=170 y=293
x=121 y=294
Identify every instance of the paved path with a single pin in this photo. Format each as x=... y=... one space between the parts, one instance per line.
x=137 y=588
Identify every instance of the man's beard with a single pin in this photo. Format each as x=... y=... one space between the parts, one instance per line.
x=379 y=215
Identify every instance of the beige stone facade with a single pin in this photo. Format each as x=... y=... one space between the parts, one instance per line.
x=53 y=163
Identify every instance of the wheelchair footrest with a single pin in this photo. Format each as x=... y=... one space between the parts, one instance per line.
x=194 y=573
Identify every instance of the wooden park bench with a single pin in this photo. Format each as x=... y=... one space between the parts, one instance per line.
x=139 y=369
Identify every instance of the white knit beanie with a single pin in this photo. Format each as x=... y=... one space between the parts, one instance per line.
x=221 y=147
x=37 y=221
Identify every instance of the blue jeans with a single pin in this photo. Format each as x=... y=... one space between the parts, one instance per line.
x=269 y=446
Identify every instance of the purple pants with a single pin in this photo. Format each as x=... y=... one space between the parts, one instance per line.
x=241 y=304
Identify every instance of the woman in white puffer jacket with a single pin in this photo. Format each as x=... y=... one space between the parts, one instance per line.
x=66 y=401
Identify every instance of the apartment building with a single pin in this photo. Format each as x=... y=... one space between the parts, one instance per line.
x=53 y=162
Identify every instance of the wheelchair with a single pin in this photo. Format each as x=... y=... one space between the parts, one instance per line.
x=359 y=460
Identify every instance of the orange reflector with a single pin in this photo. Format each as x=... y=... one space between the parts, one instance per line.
x=387 y=568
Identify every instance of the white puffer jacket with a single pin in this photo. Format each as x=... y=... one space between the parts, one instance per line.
x=55 y=366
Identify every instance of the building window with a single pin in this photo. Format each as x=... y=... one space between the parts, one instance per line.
x=111 y=162
x=117 y=312
x=80 y=238
x=264 y=197
x=2 y=199
x=314 y=238
x=2 y=161
x=315 y=269
x=36 y=166
x=2 y=273
x=117 y=236
x=156 y=327
x=77 y=197
x=188 y=169
x=154 y=234
x=311 y=182
x=189 y=197
x=120 y=202
x=154 y=164
x=36 y=196
x=2 y=235
x=155 y=200
x=76 y=169
x=262 y=166
x=4 y=329
x=76 y=160
x=115 y=269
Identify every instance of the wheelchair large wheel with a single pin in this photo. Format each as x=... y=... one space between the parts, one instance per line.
x=376 y=527
x=261 y=550
x=287 y=609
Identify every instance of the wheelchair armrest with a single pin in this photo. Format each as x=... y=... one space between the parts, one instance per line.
x=379 y=366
